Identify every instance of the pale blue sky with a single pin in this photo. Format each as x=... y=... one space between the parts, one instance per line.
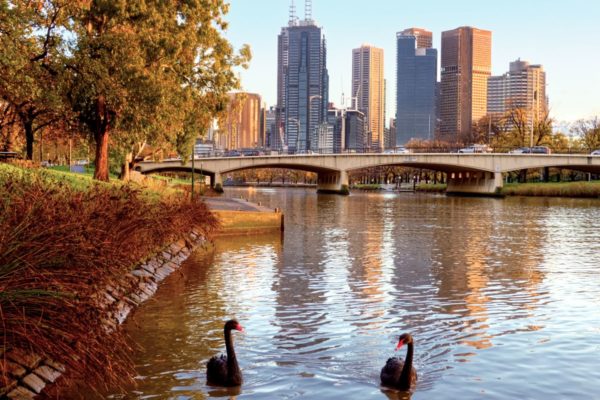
x=563 y=36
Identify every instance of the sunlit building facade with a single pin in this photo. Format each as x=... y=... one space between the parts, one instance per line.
x=523 y=87
x=465 y=68
x=368 y=91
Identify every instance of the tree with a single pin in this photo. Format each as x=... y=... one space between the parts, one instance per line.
x=31 y=64
x=588 y=130
x=149 y=71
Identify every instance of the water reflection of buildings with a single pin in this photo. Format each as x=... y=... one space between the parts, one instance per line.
x=487 y=272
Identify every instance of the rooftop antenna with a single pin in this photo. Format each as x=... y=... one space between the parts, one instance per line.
x=293 y=18
x=308 y=10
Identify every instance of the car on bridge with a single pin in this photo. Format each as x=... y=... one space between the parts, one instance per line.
x=520 y=150
x=397 y=150
x=595 y=153
x=476 y=148
x=541 y=150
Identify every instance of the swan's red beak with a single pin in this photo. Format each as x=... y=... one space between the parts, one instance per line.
x=400 y=344
x=239 y=328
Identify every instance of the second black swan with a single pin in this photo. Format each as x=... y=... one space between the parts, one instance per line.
x=400 y=374
x=224 y=370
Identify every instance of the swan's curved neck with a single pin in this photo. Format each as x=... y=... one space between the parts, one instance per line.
x=232 y=365
x=405 y=375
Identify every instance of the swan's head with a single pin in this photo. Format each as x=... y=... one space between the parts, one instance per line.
x=233 y=324
x=405 y=338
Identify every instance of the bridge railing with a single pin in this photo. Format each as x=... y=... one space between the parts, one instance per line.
x=537 y=150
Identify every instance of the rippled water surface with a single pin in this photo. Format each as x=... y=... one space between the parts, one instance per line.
x=501 y=296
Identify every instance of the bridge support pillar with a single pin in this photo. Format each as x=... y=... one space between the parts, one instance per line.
x=475 y=183
x=217 y=182
x=333 y=183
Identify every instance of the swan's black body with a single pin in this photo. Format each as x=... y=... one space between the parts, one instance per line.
x=224 y=370
x=400 y=374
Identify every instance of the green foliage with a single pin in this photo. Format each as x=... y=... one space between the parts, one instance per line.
x=151 y=71
x=134 y=72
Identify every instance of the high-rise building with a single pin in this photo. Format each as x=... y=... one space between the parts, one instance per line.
x=242 y=122
x=271 y=131
x=466 y=66
x=354 y=131
x=303 y=82
x=337 y=119
x=423 y=36
x=523 y=87
x=416 y=72
x=368 y=91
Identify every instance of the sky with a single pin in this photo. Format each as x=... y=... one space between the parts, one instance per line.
x=562 y=36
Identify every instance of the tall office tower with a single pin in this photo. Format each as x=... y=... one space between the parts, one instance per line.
x=242 y=123
x=354 y=131
x=278 y=137
x=416 y=73
x=523 y=87
x=466 y=66
x=303 y=82
x=424 y=37
x=368 y=91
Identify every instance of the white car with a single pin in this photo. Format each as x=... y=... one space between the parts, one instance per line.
x=595 y=153
x=477 y=148
x=397 y=150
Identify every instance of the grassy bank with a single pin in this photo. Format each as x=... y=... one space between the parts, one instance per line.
x=431 y=188
x=554 y=189
x=539 y=189
x=63 y=238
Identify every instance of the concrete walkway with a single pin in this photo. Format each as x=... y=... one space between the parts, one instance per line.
x=229 y=204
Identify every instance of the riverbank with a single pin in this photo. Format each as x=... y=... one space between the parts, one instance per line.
x=590 y=190
x=75 y=257
x=241 y=217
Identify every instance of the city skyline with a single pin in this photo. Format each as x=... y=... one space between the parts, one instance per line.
x=345 y=29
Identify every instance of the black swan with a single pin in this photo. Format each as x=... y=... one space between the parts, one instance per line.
x=223 y=370
x=400 y=374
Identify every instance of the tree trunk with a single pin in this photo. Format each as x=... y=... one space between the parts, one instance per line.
x=126 y=167
x=101 y=162
x=28 y=127
x=101 y=135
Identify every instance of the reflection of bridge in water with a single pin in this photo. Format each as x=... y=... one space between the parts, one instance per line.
x=467 y=173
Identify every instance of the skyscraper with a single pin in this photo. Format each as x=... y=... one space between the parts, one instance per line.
x=423 y=36
x=466 y=66
x=416 y=86
x=523 y=86
x=368 y=91
x=303 y=81
x=242 y=124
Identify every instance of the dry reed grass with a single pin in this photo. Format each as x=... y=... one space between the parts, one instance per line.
x=60 y=247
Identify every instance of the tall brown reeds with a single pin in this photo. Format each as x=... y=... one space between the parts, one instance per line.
x=60 y=247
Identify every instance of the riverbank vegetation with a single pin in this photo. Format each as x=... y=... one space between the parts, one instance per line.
x=582 y=189
x=54 y=262
x=554 y=189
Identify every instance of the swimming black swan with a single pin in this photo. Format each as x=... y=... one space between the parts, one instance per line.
x=400 y=374
x=223 y=370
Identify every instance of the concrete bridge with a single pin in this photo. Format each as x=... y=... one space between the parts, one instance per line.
x=467 y=173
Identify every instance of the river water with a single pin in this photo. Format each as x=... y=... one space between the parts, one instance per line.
x=502 y=297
